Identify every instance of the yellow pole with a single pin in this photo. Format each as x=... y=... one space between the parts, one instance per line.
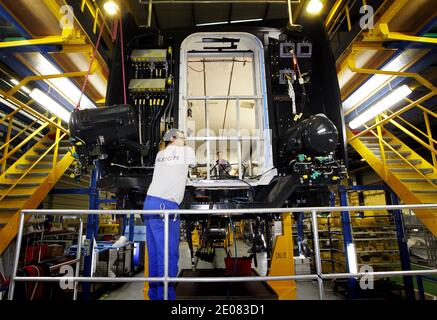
x=431 y=142
x=381 y=145
x=55 y=153
x=283 y=261
x=146 y=273
x=8 y=137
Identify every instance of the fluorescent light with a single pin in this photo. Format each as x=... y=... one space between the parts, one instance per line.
x=24 y=88
x=247 y=20
x=352 y=258
x=377 y=80
x=49 y=104
x=211 y=23
x=64 y=86
x=314 y=7
x=110 y=7
x=383 y=104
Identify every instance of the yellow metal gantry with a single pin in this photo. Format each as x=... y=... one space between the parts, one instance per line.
x=408 y=174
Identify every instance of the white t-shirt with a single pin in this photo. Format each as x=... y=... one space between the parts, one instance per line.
x=170 y=174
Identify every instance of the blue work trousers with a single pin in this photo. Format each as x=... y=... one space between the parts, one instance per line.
x=155 y=245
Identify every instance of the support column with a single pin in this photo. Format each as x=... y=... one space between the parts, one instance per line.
x=92 y=228
x=392 y=199
x=131 y=227
x=347 y=239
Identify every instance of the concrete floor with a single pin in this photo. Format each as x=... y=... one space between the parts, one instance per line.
x=306 y=290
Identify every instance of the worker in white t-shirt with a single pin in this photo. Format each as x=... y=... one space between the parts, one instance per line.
x=166 y=192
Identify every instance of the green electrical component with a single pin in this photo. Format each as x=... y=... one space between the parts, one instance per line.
x=321 y=159
x=315 y=175
x=301 y=157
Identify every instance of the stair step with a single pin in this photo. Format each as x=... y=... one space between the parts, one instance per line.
x=423 y=170
x=9 y=205
x=427 y=198
x=63 y=143
x=392 y=153
x=5 y=216
x=29 y=175
x=20 y=185
x=17 y=191
x=26 y=180
x=8 y=210
x=372 y=146
x=17 y=196
x=425 y=191
x=34 y=169
x=408 y=180
x=374 y=139
x=401 y=161
x=62 y=150
x=47 y=157
x=42 y=165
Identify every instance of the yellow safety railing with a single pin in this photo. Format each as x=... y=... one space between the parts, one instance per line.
x=94 y=10
x=424 y=138
x=19 y=135
x=340 y=11
x=15 y=140
x=427 y=143
x=382 y=143
x=54 y=145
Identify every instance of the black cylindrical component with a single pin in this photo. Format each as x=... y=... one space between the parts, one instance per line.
x=112 y=124
x=316 y=135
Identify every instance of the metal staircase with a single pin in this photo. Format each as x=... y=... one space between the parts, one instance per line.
x=410 y=176
x=27 y=181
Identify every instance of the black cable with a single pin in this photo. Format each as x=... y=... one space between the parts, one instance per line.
x=260 y=175
x=250 y=186
x=234 y=271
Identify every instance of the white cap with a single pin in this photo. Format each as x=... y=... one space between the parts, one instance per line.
x=172 y=133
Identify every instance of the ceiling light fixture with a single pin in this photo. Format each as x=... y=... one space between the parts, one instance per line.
x=64 y=86
x=211 y=23
x=246 y=20
x=377 y=81
x=388 y=101
x=111 y=7
x=16 y=82
x=50 y=104
x=314 y=7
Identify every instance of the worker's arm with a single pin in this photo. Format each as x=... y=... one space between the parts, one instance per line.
x=190 y=157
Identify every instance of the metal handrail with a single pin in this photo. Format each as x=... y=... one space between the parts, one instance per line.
x=22 y=143
x=32 y=111
x=411 y=135
x=428 y=134
x=413 y=127
x=55 y=144
x=10 y=140
x=319 y=276
x=403 y=158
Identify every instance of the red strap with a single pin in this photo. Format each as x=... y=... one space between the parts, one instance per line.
x=91 y=63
